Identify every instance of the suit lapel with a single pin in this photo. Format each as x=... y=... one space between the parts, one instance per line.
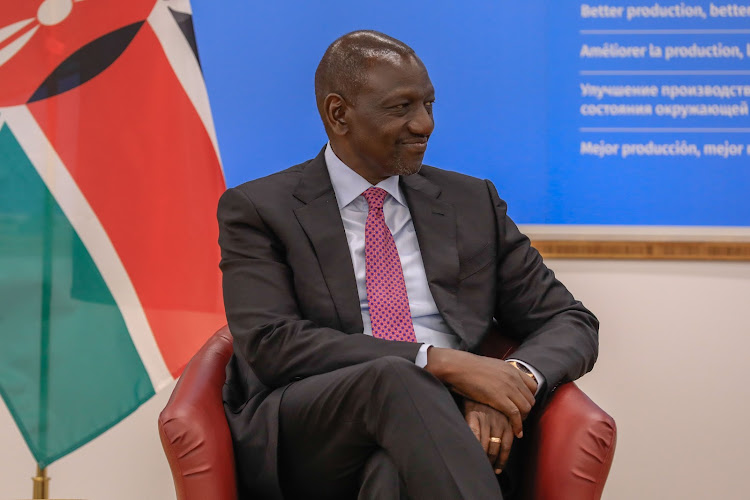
x=435 y=225
x=321 y=220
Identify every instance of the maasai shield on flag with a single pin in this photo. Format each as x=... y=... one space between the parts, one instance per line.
x=109 y=179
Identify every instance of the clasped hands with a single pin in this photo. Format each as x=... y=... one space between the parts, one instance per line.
x=497 y=397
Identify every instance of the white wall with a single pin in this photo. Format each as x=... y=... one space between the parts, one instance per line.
x=672 y=371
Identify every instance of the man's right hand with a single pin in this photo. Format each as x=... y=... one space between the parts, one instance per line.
x=485 y=380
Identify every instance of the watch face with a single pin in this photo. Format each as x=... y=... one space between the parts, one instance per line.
x=523 y=369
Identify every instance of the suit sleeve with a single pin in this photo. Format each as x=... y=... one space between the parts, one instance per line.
x=558 y=335
x=262 y=311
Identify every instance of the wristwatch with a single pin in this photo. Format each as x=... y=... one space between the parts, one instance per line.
x=523 y=369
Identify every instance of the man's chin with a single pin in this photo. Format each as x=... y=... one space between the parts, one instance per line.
x=408 y=168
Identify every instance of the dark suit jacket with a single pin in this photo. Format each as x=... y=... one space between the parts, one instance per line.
x=292 y=305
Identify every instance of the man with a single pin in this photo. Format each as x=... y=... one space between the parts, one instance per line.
x=424 y=262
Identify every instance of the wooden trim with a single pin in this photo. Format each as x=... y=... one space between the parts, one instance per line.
x=645 y=250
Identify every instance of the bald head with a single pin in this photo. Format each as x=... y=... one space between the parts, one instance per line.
x=343 y=68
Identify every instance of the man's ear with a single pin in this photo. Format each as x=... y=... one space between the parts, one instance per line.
x=336 y=110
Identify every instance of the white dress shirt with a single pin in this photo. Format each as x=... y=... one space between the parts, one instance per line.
x=348 y=185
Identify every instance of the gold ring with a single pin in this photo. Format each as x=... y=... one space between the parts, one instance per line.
x=495 y=439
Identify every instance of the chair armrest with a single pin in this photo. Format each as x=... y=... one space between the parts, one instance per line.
x=193 y=428
x=573 y=443
x=572 y=448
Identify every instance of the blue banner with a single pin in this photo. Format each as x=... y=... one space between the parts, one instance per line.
x=622 y=113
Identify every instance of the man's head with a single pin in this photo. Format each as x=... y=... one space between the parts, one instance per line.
x=375 y=98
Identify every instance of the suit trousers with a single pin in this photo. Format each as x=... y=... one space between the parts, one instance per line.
x=384 y=429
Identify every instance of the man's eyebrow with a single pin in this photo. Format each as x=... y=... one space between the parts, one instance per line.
x=406 y=93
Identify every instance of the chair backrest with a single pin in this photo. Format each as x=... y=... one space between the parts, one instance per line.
x=193 y=427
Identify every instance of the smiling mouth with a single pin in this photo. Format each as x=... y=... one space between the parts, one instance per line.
x=416 y=145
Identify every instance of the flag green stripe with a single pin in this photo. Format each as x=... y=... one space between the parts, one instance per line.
x=68 y=367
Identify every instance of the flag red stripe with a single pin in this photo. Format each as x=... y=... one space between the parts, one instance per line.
x=139 y=152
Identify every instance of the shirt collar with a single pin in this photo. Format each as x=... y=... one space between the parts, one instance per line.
x=348 y=184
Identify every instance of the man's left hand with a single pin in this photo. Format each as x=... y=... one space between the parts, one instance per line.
x=493 y=431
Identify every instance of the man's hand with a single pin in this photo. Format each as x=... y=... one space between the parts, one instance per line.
x=485 y=380
x=489 y=426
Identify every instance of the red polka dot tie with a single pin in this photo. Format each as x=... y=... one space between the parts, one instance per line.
x=386 y=291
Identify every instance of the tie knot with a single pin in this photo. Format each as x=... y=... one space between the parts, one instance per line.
x=375 y=197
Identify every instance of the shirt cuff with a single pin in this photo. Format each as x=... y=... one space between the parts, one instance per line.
x=538 y=376
x=421 y=359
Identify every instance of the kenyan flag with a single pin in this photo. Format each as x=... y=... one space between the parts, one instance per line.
x=109 y=179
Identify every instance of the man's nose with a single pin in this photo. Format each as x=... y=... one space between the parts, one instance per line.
x=422 y=122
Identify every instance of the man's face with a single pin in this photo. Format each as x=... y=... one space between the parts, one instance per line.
x=390 y=120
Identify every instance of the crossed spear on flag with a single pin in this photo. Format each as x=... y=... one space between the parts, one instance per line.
x=50 y=12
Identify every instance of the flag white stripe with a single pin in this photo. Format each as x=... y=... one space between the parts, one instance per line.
x=181 y=6
x=185 y=65
x=76 y=208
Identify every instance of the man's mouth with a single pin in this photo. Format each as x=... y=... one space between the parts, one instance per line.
x=417 y=145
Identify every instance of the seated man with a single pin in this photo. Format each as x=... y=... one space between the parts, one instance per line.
x=358 y=287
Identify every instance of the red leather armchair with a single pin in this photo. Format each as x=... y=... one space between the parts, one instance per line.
x=571 y=451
